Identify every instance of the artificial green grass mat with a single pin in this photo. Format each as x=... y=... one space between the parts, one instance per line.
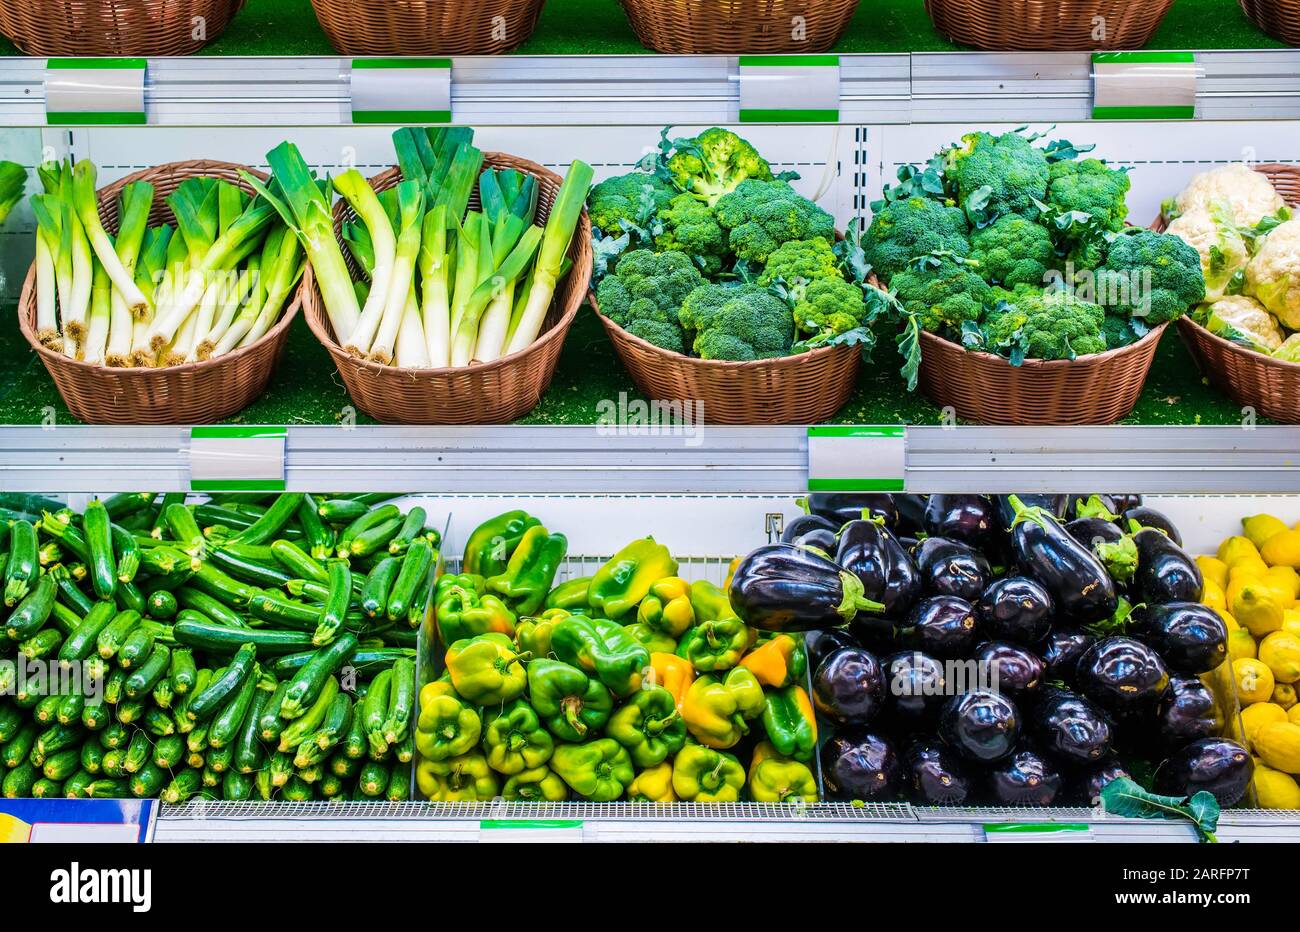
x=599 y=27
x=307 y=390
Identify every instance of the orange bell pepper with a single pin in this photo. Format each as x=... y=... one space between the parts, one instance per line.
x=673 y=673
x=778 y=661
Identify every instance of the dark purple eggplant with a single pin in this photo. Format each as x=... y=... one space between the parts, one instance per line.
x=874 y=632
x=1189 y=637
x=915 y=689
x=1081 y=589
x=1057 y=505
x=1149 y=517
x=780 y=587
x=1216 y=765
x=911 y=514
x=1125 y=501
x=1015 y=608
x=1188 y=711
x=1071 y=728
x=971 y=519
x=1122 y=675
x=839 y=508
x=1165 y=572
x=941 y=625
x=949 y=567
x=821 y=644
x=873 y=554
x=1087 y=787
x=1010 y=668
x=1093 y=531
x=1025 y=778
x=849 y=686
x=1061 y=650
x=859 y=764
x=935 y=774
x=982 y=725
x=800 y=527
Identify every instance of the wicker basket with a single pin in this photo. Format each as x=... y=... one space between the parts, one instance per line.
x=734 y=27
x=1047 y=25
x=194 y=393
x=427 y=27
x=483 y=393
x=114 y=27
x=1270 y=386
x=1279 y=18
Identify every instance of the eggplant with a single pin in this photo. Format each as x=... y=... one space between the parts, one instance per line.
x=1191 y=638
x=781 y=587
x=1081 y=589
x=873 y=554
x=1010 y=668
x=971 y=519
x=1165 y=572
x=911 y=514
x=1061 y=650
x=1025 y=778
x=1057 y=505
x=859 y=764
x=916 y=688
x=821 y=644
x=1124 y=502
x=1216 y=765
x=1015 y=608
x=981 y=725
x=874 y=632
x=1188 y=711
x=1088 y=785
x=1093 y=531
x=849 y=686
x=839 y=508
x=935 y=774
x=941 y=625
x=1122 y=675
x=1114 y=549
x=1149 y=517
x=820 y=542
x=795 y=531
x=949 y=567
x=1071 y=728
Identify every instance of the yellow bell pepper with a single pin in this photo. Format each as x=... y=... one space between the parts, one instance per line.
x=674 y=674
x=653 y=785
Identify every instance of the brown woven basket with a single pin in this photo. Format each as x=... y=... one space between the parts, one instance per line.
x=193 y=393
x=1270 y=386
x=1047 y=25
x=734 y=27
x=427 y=27
x=1279 y=18
x=483 y=393
x=114 y=27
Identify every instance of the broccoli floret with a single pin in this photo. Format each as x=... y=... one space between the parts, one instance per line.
x=645 y=292
x=738 y=323
x=1014 y=251
x=903 y=230
x=689 y=226
x=1091 y=187
x=943 y=294
x=1153 y=276
x=761 y=215
x=1015 y=172
x=829 y=306
x=799 y=262
x=714 y=163
x=1047 y=325
x=620 y=199
x=1118 y=331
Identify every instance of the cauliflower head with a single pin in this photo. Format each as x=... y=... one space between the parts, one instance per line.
x=1273 y=276
x=1251 y=195
x=1289 y=351
x=1242 y=319
x=1222 y=249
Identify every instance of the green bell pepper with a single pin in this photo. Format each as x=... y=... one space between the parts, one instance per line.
x=571 y=704
x=790 y=723
x=446 y=727
x=463 y=613
x=466 y=778
x=528 y=575
x=716 y=710
x=602 y=649
x=704 y=775
x=649 y=726
x=485 y=670
x=599 y=770
x=534 y=634
x=621 y=584
x=709 y=603
x=515 y=740
x=777 y=779
x=489 y=548
x=538 y=785
x=713 y=645
x=652 y=640
x=470 y=581
x=570 y=595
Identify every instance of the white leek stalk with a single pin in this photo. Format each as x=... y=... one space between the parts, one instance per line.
x=411 y=205
x=358 y=193
x=83 y=197
x=92 y=350
x=412 y=350
x=47 y=314
x=434 y=271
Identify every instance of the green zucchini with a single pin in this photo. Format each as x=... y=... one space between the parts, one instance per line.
x=115 y=735
x=205 y=705
x=110 y=640
x=297 y=790
x=331 y=787
x=404 y=750
x=341 y=510
x=23 y=566
x=41 y=644
x=248 y=745
x=401 y=702
x=211 y=779
x=306 y=724
x=169 y=751
x=219 y=759
x=408 y=638
x=59 y=526
x=379 y=584
x=307 y=683
x=69 y=593
x=34 y=608
x=374 y=778
x=335 y=725
x=63 y=618
x=335 y=610
x=54 y=739
x=126 y=553
x=313 y=773
x=249 y=571
x=62 y=764
x=182 y=673
x=280 y=768
x=77 y=786
x=180 y=523
x=157 y=722
x=365 y=660
x=19 y=747
x=217 y=639
x=225 y=727
x=148 y=781
x=47 y=710
x=373 y=541
x=412 y=527
x=182 y=787
x=343 y=766
x=96 y=716
x=192 y=600
x=298 y=564
x=165 y=560
x=418 y=607
x=130 y=711
x=272 y=520
x=415 y=573
x=115 y=687
x=11 y=721
x=129 y=597
x=150 y=673
x=378 y=517
x=82 y=642
x=98 y=531
x=263 y=786
x=160 y=518
x=128 y=503
x=201 y=680
x=163 y=694
x=92 y=757
x=222 y=586
x=399 y=786
x=318 y=537
x=70 y=708
x=162 y=604
x=374 y=710
x=138 y=753
x=236 y=786
x=19 y=781
x=48 y=554
x=197 y=740
x=269 y=723
x=137 y=648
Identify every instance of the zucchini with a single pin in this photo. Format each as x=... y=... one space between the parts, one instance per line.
x=297 y=790
x=270 y=607
x=408 y=638
x=308 y=682
x=41 y=644
x=69 y=593
x=269 y=723
x=365 y=660
x=192 y=600
x=374 y=540
x=318 y=537
x=110 y=764
x=23 y=565
x=138 y=753
x=376 y=517
x=297 y=563
x=137 y=648
x=169 y=751
x=280 y=768
x=70 y=708
x=226 y=725
x=263 y=786
x=54 y=739
x=337 y=720
x=379 y=584
x=157 y=722
x=182 y=786
x=63 y=618
x=399 y=786
x=78 y=785
x=313 y=773
x=59 y=526
x=28 y=503
x=96 y=716
x=130 y=711
x=114 y=687
x=211 y=779
x=219 y=759
x=11 y=722
x=236 y=786
x=248 y=746
x=162 y=604
x=128 y=503
x=49 y=554
x=47 y=789
x=47 y=710
x=98 y=531
x=224 y=685
x=160 y=519
x=165 y=560
x=415 y=573
x=343 y=766
x=246 y=570
x=19 y=747
x=201 y=681
x=197 y=740
x=34 y=608
x=61 y=765
x=331 y=787
x=126 y=553
x=182 y=673
x=418 y=608
x=305 y=725
x=150 y=673
x=335 y=611
x=412 y=527
x=180 y=523
x=110 y=640
x=272 y=520
x=404 y=750
x=129 y=597
x=217 y=639
x=82 y=642
x=196 y=760
x=19 y=781
x=115 y=735
x=222 y=586
x=92 y=757
x=163 y=694
x=373 y=779
x=375 y=710
x=401 y=702
x=341 y=510
x=148 y=781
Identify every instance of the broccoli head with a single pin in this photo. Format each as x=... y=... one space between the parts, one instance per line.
x=903 y=230
x=1091 y=187
x=1047 y=325
x=1015 y=172
x=1149 y=275
x=715 y=163
x=738 y=323
x=1013 y=250
x=942 y=293
x=1118 y=331
x=689 y=226
x=761 y=215
x=645 y=292
x=799 y=262
x=623 y=199
x=829 y=306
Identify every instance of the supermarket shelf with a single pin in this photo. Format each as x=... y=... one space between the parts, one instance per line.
x=735 y=460
x=652 y=90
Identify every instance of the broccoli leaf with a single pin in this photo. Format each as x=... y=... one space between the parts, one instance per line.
x=1123 y=797
x=1062 y=150
x=858 y=336
x=605 y=251
x=852 y=257
x=909 y=347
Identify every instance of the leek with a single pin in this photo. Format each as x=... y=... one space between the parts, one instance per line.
x=515 y=265
x=435 y=266
x=164 y=260
x=411 y=206
x=13 y=179
x=133 y=212
x=354 y=188
x=231 y=301
x=92 y=350
x=83 y=199
x=73 y=317
x=412 y=351
x=49 y=286
x=285 y=268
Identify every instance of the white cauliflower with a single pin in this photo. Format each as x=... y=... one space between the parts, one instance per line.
x=1273 y=276
x=1209 y=230
x=1251 y=194
x=1289 y=351
x=1242 y=320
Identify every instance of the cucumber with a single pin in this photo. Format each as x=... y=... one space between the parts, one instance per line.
x=269 y=723
x=298 y=564
x=96 y=716
x=47 y=789
x=236 y=787
x=54 y=739
x=248 y=746
x=399 y=786
x=169 y=751
x=157 y=722
x=401 y=702
x=61 y=765
x=78 y=785
x=183 y=786
x=19 y=781
x=318 y=537
x=41 y=644
x=162 y=605
x=23 y=565
x=297 y=790
x=163 y=694
x=70 y=709
x=272 y=520
x=415 y=573
x=126 y=553
x=183 y=529
x=110 y=640
x=82 y=642
x=412 y=527
x=138 y=753
x=114 y=736
x=335 y=610
x=205 y=705
x=222 y=586
x=137 y=647
x=280 y=768
x=375 y=710
x=225 y=727
x=11 y=722
x=182 y=673
x=366 y=660
x=98 y=531
x=129 y=596
x=305 y=725
x=379 y=583
x=115 y=687
x=373 y=779
x=307 y=683
x=219 y=759
x=47 y=710
x=34 y=607
x=92 y=757
x=19 y=747
x=148 y=781
x=148 y=674
x=216 y=639
x=69 y=594
x=130 y=711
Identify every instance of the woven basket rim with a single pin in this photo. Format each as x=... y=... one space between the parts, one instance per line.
x=1254 y=356
x=1053 y=364
x=27 y=301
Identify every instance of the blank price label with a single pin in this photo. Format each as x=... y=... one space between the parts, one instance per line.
x=856 y=459
x=94 y=91
x=1037 y=832
x=401 y=90
x=530 y=830
x=789 y=88
x=1144 y=86
x=237 y=459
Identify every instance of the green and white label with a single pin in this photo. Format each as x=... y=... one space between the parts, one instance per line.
x=1037 y=832
x=857 y=459
x=530 y=830
x=237 y=459
x=401 y=90
x=95 y=91
x=789 y=88
x=1144 y=86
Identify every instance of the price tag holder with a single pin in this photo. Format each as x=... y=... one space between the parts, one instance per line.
x=1037 y=832
x=857 y=459
x=1143 y=86
x=95 y=91
x=81 y=821
x=789 y=88
x=237 y=459
x=530 y=830
x=401 y=90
